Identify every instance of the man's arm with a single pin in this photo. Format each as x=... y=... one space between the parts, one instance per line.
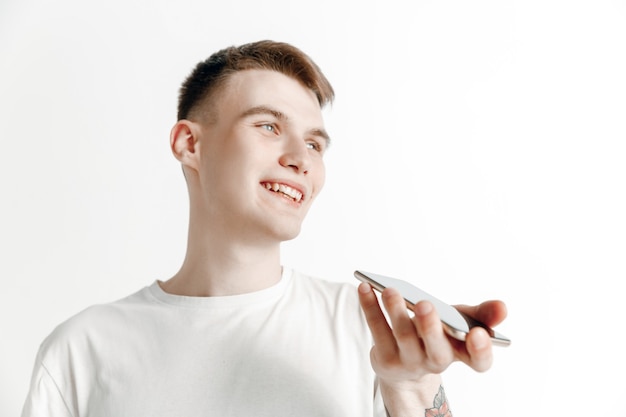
x=410 y=354
x=44 y=397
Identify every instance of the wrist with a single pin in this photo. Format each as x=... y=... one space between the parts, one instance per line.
x=413 y=397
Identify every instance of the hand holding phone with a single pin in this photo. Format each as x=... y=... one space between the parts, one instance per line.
x=455 y=323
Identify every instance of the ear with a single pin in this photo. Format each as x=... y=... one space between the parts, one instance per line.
x=185 y=144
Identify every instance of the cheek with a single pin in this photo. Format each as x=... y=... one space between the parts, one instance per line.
x=320 y=177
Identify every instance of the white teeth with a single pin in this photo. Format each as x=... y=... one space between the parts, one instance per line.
x=284 y=189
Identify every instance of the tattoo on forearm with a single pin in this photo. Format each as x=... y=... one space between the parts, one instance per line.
x=440 y=405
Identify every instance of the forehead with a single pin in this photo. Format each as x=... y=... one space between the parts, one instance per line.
x=252 y=88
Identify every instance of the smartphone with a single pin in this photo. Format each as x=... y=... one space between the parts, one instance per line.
x=455 y=323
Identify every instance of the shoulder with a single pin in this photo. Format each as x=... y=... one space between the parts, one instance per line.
x=94 y=323
x=322 y=285
x=334 y=295
x=331 y=305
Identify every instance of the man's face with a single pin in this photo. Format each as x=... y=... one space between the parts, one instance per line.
x=261 y=160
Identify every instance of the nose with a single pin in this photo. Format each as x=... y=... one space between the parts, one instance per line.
x=296 y=155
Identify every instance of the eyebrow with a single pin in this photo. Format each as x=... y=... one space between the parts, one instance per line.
x=283 y=117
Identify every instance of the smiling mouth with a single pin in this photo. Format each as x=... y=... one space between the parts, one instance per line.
x=285 y=190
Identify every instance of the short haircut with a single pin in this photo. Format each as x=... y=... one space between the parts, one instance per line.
x=209 y=75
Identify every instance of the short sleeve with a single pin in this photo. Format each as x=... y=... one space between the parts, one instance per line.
x=44 y=398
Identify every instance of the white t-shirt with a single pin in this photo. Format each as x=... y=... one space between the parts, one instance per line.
x=299 y=348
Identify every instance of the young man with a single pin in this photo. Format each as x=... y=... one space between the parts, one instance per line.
x=233 y=333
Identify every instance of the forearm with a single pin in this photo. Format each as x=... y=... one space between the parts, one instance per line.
x=415 y=399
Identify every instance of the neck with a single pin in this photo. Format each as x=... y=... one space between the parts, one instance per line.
x=220 y=268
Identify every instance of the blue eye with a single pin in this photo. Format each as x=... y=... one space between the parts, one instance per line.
x=269 y=127
x=314 y=146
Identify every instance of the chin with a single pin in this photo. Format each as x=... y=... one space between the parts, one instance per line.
x=285 y=234
x=281 y=228
x=290 y=235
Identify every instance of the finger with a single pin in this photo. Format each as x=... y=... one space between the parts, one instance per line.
x=381 y=332
x=479 y=350
x=402 y=326
x=490 y=313
x=436 y=344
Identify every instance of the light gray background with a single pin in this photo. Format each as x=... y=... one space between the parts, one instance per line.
x=478 y=152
